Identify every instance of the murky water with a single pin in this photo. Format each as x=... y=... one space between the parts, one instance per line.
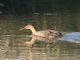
x=62 y=16
x=39 y=51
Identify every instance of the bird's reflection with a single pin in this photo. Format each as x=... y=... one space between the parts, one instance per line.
x=43 y=54
x=30 y=57
x=35 y=38
x=31 y=42
x=33 y=55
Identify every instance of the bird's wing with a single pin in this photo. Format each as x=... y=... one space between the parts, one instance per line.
x=44 y=32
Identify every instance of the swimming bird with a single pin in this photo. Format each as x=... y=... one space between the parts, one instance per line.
x=49 y=34
x=46 y=34
x=52 y=35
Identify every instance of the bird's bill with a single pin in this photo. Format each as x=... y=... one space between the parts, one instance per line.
x=22 y=29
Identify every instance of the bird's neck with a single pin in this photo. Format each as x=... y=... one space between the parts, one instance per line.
x=33 y=30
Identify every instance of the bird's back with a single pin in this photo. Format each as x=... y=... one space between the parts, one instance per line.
x=48 y=34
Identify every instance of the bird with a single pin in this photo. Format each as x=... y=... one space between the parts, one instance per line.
x=43 y=33
x=46 y=34
x=51 y=35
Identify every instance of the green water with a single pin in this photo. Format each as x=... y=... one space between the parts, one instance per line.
x=10 y=36
x=62 y=16
x=11 y=49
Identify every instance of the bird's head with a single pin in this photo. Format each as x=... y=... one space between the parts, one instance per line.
x=29 y=26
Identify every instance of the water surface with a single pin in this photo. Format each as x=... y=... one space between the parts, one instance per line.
x=39 y=51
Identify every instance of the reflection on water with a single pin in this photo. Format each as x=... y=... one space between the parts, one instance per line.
x=10 y=49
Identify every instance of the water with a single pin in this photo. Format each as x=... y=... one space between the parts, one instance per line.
x=61 y=16
x=71 y=37
x=11 y=49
